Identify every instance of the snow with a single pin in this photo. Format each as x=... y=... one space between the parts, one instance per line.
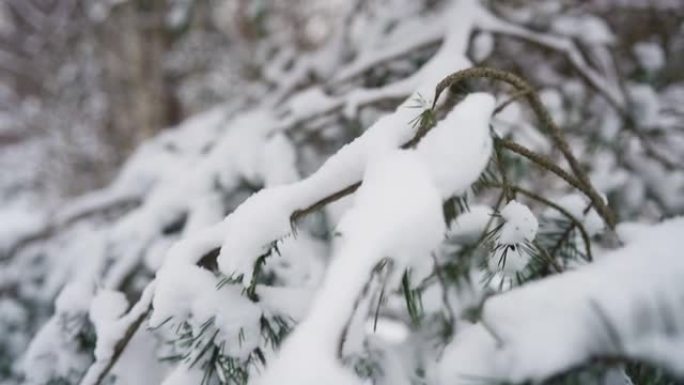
x=459 y=147
x=462 y=361
x=178 y=288
x=519 y=228
x=403 y=224
x=389 y=330
x=509 y=260
x=576 y=205
x=182 y=375
x=397 y=212
x=425 y=33
x=111 y=330
x=520 y=224
x=644 y=101
x=106 y=308
x=16 y=223
x=470 y=225
x=548 y=326
x=74 y=298
x=310 y=102
x=139 y=365
x=107 y=305
x=269 y=210
x=53 y=352
x=588 y=28
x=483 y=46
x=650 y=56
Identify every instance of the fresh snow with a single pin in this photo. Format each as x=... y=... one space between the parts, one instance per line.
x=548 y=326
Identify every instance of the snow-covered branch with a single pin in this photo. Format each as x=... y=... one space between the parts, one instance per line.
x=627 y=304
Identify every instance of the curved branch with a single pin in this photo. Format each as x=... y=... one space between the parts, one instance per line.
x=544 y=118
x=541 y=161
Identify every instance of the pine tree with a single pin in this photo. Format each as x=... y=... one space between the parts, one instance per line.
x=405 y=203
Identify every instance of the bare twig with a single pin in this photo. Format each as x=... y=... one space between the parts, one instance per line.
x=541 y=161
x=514 y=98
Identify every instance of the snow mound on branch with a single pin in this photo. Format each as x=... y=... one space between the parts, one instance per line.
x=468 y=226
x=458 y=148
x=397 y=214
x=622 y=305
x=520 y=226
x=105 y=309
x=270 y=210
x=455 y=152
x=53 y=350
x=398 y=206
x=511 y=255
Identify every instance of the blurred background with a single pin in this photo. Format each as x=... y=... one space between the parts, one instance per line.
x=82 y=82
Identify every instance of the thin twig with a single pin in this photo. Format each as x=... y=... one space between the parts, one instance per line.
x=445 y=290
x=541 y=161
x=514 y=98
x=552 y=261
x=568 y=231
x=499 y=164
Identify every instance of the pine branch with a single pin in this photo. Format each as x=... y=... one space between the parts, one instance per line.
x=541 y=161
x=575 y=222
x=544 y=118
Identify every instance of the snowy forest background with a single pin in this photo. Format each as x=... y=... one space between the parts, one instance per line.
x=345 y=192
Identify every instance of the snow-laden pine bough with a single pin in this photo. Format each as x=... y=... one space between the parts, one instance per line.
x=397 y=216
x=231 y=304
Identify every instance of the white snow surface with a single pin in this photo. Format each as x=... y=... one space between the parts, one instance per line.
x=520 y=226
x=603 y=308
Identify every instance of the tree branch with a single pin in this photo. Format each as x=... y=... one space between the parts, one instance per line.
x=544 y=118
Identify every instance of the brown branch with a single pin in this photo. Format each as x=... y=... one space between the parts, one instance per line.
x=541 y=161
x=423 y=129
x=298 y=214
x=544 y=118
x=508 y=193
x=514 y=98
